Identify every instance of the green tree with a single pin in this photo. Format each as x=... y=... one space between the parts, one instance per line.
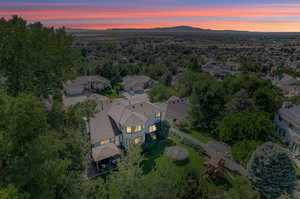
x=193 y=186
x=245 y=126
x=266 y=99
x=10 y=192
x=160 y=92
x=206 y=103
x=29 y=150
x=241 y=189
x=271 y=171
x=240 y=102
x=34 y=58
x=184 y=85
x=128 y=181
x=242 y=150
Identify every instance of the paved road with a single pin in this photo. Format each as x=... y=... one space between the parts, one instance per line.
x=229 y=163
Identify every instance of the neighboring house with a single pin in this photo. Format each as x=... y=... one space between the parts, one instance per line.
x=121 y=124
x=289 y=85
x=84 y=88
x=174 y=110
x=86 y=84
x=288 y=126
x=136 y=84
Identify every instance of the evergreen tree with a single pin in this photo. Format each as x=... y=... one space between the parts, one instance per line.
x=271 y=171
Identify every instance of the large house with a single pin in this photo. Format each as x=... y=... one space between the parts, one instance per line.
x=289 y=85
x=121 y=124
x=288 y=126
x=136 y=84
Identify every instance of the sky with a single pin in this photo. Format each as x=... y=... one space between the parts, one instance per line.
x=249 y=15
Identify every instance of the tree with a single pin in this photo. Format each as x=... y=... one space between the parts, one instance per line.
x=10 y=192
x=240 y=102
x=242 y=150
x=206 y=103
x=245 y=126
x=185 y=84
x=271 y=171
x=128 y=181
x=193 y=185
x=194 y=65
x=266 y=99
x=241 y=189
x=159 y=93
x=29 y=150
x=34 y=58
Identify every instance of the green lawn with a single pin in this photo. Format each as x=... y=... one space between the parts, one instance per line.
x=156 y=154
x=196 y=161
x=198 y=135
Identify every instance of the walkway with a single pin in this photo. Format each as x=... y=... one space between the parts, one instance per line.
x=229 y=163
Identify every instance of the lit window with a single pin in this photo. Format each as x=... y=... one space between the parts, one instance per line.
x=103 y=142
x=157 y=115
x=138 y=128
x=138 y=140
x=152 y=128
x=129 y=129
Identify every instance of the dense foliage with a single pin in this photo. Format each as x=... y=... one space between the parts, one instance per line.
x=245 y=126
x=271 y=171
x=34 y=58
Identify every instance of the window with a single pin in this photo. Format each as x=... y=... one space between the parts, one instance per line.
x=152 y=128
x=129 y=129
x=103 y=142
x=138 y=128
x=157 y=115
x=291 y=126
x=138 y=140
x=280 y=118
x=134 y=129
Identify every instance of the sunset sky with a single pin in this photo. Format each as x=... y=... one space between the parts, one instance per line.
x=251 y=15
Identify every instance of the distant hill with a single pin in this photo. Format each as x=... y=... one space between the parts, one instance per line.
x=166 y=29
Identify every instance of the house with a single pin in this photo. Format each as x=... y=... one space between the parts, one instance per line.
x=287 y=123
x=289 y=85
x=85 y=88
x=121 y=124
x=86 y=84
x=136 y=84
x=174 y=110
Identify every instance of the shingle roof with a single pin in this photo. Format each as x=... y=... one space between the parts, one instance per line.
x=70 y=101
x=135 y=82
x=102 y=152
x=291 y=114
x=125 y=113
x=102 y=128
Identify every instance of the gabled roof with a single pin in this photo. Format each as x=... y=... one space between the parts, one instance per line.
x=102 y=128
x=132 y=114
x=175 y=107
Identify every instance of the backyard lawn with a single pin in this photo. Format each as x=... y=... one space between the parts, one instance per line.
x=198 y=135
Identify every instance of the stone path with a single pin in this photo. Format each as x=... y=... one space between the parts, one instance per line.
x=229 y=163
